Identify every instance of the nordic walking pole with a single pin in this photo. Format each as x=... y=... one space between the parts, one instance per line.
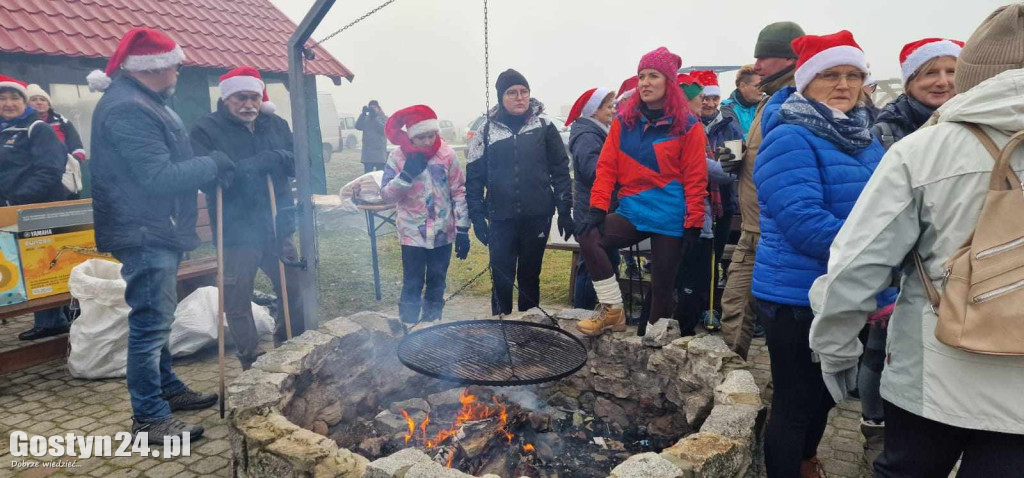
x=280 y=262
x=220 y=292
x=711 y=303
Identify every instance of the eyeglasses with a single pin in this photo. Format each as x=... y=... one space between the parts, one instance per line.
x=831 y=78
x=517 y=93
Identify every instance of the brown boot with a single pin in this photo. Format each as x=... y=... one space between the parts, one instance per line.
x=609 y=318
x=812 y=468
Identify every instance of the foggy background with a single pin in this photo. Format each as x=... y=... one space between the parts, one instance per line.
x=431 y=52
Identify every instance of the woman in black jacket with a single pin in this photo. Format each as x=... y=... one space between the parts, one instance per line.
x=32 y=162
x=520 y=161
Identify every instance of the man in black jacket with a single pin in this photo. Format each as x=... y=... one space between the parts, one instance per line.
x=144 y=209
x=375 y=144
x=520 y=160
x=260 y=143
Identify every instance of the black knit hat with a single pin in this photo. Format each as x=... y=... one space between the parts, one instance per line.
x=508 y=79
x=775 y=40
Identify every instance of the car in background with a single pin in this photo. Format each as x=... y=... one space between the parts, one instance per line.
x=477 y=125
x=448 y=131
x=348 y=135
x=328 y=118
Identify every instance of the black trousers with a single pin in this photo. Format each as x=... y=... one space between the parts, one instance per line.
x=918 y=447
x=422 y=266
x=693 y=286
x=517 y=253
x=800 y=401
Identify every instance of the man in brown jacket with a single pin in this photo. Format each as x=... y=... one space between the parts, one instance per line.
x=776 y=63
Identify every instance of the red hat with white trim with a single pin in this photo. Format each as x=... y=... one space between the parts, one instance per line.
x=816 y=54
x=628 y=88
x=242 y=79
x=709 y=79
x=141 y=49
x=917 y=53
x=16 y=85
x=417 y=119
x=587 y=104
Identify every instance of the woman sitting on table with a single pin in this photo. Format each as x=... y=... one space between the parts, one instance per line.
x=32 y=161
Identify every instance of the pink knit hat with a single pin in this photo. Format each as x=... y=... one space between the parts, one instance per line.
x=662 y=60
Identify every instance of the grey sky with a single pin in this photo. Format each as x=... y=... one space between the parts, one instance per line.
x=431 y=52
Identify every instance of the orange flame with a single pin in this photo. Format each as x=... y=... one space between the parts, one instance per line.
x=528 y=447
x=412 y=427
x=471 y=410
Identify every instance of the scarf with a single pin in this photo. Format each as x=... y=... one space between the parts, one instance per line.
x=907 y=112
x=514 y=122
x=849 y=132
x=710 y=121
x=738 y=98
x=4 y=123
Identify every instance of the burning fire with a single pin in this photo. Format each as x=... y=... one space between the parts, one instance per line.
x=472 y=410
x=528 y=448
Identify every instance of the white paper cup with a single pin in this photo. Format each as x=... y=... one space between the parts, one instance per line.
x=735 y=146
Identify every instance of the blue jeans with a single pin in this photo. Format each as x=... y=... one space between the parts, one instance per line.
x=151 y=274
x=51 y=318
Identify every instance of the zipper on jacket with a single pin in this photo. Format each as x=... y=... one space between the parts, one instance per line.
x=992 y=294
x=1001 y=248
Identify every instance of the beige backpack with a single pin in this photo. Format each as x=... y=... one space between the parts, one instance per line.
x=982 y=306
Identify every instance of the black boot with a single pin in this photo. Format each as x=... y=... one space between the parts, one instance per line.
x=432 y=310
x=163 y=430
x=409 y=312
x=189 y=399
x=36 y=333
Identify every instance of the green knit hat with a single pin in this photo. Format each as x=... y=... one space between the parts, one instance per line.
x=775 y=40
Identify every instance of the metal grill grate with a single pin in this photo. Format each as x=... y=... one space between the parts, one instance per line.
x=493 y=352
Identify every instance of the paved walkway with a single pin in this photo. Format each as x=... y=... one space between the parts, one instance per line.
x=46 y=400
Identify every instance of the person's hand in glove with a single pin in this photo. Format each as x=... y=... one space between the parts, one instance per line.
x=594 y=218
x=481 y=230
x=691 y=236
x=462 y=243
x=286 y=161
x=566 y=226
x=730 y=163
x=840 y=384
x=225 y=168
x=414 y=165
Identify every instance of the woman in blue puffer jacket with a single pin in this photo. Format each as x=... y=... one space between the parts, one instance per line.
x=817 y=155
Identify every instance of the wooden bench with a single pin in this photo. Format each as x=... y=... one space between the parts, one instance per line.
x=193 y=273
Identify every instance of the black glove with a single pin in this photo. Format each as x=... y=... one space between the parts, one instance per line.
x=414 y=165
x=286 y=161
x=462 y=244
x=595 y=218
x=730 y=164
x=691 y=236
x=275 y=163
x=481 y=230
x=566 y=226
x=225 y=168
x=366 y=109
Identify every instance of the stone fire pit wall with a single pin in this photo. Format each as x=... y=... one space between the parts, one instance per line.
x=283 y=409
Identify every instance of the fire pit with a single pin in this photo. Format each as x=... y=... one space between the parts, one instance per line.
x=338 y=402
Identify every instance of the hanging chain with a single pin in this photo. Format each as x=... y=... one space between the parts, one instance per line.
x=487 y=65
x=346 y=27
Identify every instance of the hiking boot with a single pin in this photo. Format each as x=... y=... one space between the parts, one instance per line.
x=609 y=318
x=711 y=321
x=163 y=430
x=812 y=468
x=36 y=333
x=874 y=436
x=189 y=399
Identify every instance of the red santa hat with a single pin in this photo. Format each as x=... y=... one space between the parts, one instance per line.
x=141 y=49
x=709 y=79
x=17 y=85
x=819 y=53
x=920 y=52
x=417 y=119
x=246 y=78
x=627 y=89
x=587 y=104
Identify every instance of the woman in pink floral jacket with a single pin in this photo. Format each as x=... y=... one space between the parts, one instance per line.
x=424 y=178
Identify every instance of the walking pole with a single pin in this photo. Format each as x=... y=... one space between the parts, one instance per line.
x=711 y=303
x=280 y=262
x=220 y=293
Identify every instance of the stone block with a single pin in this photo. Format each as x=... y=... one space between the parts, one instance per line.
x=738 y=422
x=446 y=398
x=410 y=405
x=434 y=470
x=610 y=412
x=331 y=414
x=739 y=388
x=343 y=464
x=648 y=465
x=661 y=333
x=698 y=405
x=375 y=322
x=396 y=465
x=574 y=314
x=341 y=327
x=706 y=356
x=258 y=388
x=303 y=448
x=391 y=422
x=316 y=345
x=710 y=455
x=263 y=429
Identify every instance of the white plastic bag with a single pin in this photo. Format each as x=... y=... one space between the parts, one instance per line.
x=99 y=337
x=195 y=322
x=365 y=188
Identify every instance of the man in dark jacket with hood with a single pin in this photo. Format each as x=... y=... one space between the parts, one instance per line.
x=144 y=209
x=260 y=143
x=520 y=161
x=375 y=144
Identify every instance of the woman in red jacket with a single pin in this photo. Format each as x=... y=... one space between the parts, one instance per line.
x=655 y=154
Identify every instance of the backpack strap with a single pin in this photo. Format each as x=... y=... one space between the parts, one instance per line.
x=888 y=138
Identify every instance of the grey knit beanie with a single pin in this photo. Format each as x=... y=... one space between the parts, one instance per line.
x=775 y=40
x=996 y=46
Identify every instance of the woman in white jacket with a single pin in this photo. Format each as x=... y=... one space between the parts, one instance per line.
x=941 y=403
